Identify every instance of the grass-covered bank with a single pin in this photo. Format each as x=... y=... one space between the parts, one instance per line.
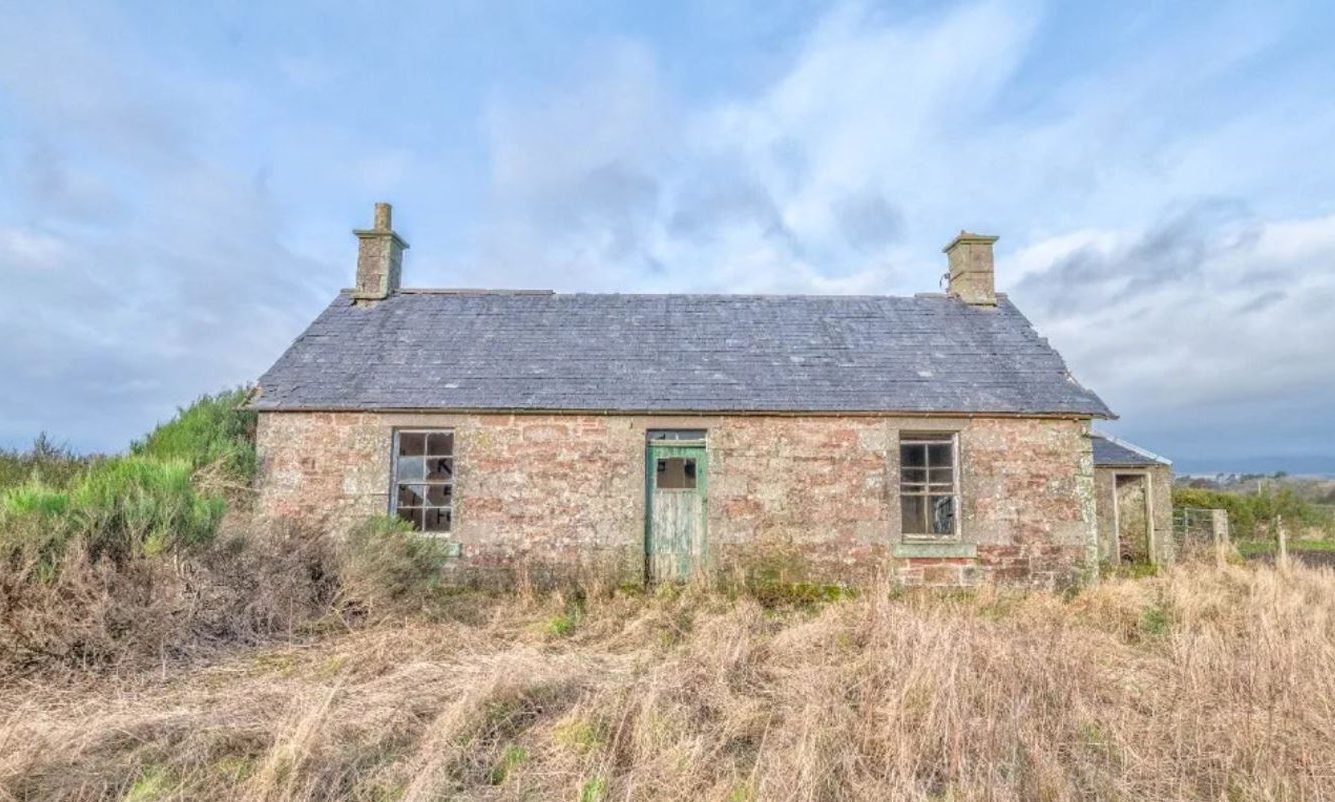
x=1201 y=684
x=110 y=559
x=117 y=563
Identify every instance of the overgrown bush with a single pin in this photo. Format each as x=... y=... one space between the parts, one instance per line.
x=45 y=462
x=215 y=430
x=130 y=557
x=386 y=567
x=100 y=558
x=120 y=509
x=87 y=612
x=1254 y=515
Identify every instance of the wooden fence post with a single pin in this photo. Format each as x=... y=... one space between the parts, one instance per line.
x=1283 y=556
x=1219 y=531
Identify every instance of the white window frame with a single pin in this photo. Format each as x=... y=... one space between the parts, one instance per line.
x=931 y=438
x=394 y=483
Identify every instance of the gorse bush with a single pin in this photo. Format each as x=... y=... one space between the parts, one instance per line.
x=143 y=506
x=139 y=505
x=214 y=430
x=120 y=509
x=133 y=557
x=83 y=544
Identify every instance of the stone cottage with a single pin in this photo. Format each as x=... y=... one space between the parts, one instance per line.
x=936 y=439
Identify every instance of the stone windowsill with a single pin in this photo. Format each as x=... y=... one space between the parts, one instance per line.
x=937 y=550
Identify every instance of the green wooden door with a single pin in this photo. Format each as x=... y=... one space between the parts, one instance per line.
x=675 y=543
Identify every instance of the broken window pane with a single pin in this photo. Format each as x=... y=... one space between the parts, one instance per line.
x=439 y=469
x=675 y=473
x=412 y=495
x=943 y=515
x=412 y=515
x=412 y=444
x=928 y=485
x=411 y=469
x=424 y=479
x=436 y=520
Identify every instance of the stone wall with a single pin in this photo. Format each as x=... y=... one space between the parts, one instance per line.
x=812 y=497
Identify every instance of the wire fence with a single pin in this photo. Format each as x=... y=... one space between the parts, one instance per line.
x=1199 y=533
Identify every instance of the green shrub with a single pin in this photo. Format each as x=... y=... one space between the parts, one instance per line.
x=387 y=567
x=45 y=462
x=35 y=499
x=1254 y=515
x=137 y=505
x=145 y=504
x=122 y=508
x=215 y=430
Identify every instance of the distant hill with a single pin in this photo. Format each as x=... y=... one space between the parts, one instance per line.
x=1304 y=465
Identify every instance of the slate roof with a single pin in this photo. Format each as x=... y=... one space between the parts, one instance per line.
x=673 y=353
x=1109 y=451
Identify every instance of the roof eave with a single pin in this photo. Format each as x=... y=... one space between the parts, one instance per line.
x=944 y=413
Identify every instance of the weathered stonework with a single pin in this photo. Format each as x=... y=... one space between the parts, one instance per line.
x=816 y=494
x=971 y=276
x=1159 y=480
x=379 y=257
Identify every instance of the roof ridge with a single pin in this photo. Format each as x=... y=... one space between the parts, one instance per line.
x=583 y=293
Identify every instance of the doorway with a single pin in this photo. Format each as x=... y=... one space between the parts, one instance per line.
x=1132 y=510
x=676 y=477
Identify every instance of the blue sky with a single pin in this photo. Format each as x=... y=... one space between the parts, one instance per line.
x=178 y=182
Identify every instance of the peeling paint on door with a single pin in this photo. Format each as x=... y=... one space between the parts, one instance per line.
x=675 y=538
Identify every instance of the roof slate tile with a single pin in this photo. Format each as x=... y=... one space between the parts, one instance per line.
x=678 y=353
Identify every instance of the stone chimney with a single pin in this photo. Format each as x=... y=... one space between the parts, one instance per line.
x=971 y=276
x=379 y=258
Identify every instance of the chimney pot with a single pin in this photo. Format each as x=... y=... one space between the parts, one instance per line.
x=379 y=257
x=972 y=277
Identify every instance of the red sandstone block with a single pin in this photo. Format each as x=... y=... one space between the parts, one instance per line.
x=942 y=575
x=741 y=508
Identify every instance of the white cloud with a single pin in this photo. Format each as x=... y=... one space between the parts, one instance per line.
x=1195 y=316
x=27 y=249
x=1114 y=193
x=1162 y=216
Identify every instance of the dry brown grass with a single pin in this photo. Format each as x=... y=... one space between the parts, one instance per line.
x=83 y=614
x=1210 y=684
